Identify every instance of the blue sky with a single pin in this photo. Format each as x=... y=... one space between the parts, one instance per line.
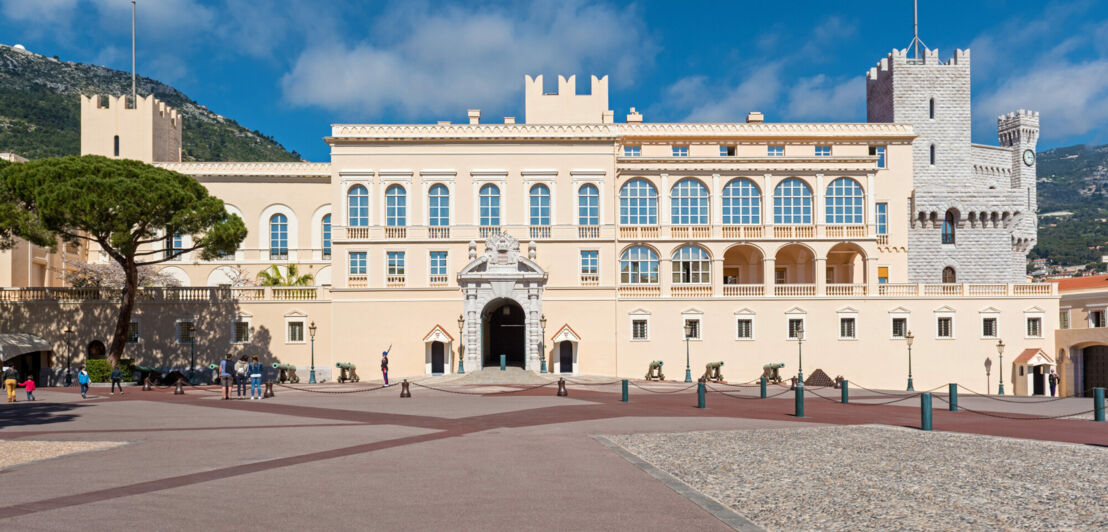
x=290 y=68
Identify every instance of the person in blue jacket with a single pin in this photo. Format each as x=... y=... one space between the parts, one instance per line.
x=83 y=380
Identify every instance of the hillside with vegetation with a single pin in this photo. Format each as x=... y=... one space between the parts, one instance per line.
x=1073 y=205
x=40 y=112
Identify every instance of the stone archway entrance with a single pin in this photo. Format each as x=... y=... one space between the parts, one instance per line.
x=504 y=325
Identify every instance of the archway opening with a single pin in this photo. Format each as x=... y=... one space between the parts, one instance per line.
x=504 y=324
x=1095 y=362
x=794 y=264
x=846 y=264
x=96 y=351
x=742 y=264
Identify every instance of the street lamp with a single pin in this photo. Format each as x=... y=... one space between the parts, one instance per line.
x=192 y=350
x=688 y=368
x=461 y=361
x=542 y=343
x=311 y=372
x=1000 y=351
x=800 y=354
x=908 y=339
x=69 y=332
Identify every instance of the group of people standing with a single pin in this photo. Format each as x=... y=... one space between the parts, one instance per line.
x=10 y=377
x=240 y=373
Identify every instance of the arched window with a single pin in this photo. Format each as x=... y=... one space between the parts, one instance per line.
x=357 y=206
x=638 y=265
x=438 y=206
x=689 y=203
x=742 y=202
x=792 y=203
x=588 y=205
x=490 y=206
x=638 y=203
x=932 y=154
x=326 y=236
x=931 y=109
x=949 y=276
x=845 y=202
x=396 y=206
x=949 y=222
x=540 y=205
x=278 y=237
x=691 y=265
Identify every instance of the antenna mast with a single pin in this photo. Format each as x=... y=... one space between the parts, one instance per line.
x=134 y=92
x=916 y=42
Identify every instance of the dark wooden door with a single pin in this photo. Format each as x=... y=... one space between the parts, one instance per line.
x=1096 y=369
x=438 y=358
x=565 y=356
x=1039 y=379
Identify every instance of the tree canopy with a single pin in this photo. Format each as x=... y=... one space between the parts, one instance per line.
x=273 y=276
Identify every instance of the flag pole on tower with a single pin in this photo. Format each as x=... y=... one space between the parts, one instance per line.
x=134 y=92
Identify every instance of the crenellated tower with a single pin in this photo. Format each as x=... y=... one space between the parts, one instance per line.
x=143 y=128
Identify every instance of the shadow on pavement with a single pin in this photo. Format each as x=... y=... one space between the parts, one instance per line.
x=29 y=413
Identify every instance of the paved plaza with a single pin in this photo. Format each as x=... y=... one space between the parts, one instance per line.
x=473 y=454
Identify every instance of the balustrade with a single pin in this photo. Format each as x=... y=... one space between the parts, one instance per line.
x=640 y=291
x=744 y=290
x=438 y=232
x=590 y=279
x=794 y=290
x=588 y=231
x=540 y=231
x=690 y=290
x=845 y=290
x=438 y=280
x=396 y=232
x=357 y=233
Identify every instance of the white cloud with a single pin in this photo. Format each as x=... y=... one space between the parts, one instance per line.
x=722 y=103
x=1072 y=98
x=38 y=11
x=823 y=98
x=426 y=61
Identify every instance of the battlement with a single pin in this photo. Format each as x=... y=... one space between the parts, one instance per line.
x=142 y=128
x=566 y=106
x=1018 y=127
x=930 y=57
x=124 y=102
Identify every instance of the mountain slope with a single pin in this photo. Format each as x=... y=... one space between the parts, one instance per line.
x=40 y=113
x=1073 y=179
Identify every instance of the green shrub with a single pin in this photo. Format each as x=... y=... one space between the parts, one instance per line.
x=101 y=370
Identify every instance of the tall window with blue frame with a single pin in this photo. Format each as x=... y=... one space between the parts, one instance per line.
x=638 y=265
x=438 y=206
x=327 y=236
x=396 y=206
x=792 y=203
x=278 y=237
x=438 y=263
x=882 y=216
x=845 y=202
x=540 y=205
x=357 y=206
x=357 y=264
x=588 y=205
x=394 y=263
x=742 y=203
x=879 y=152
x=490 y=206
x=638 y=203
x=590 y=262
x=689 y=203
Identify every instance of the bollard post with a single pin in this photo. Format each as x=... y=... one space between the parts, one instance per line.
x=845 y=391
x=763 y=384
x=800 y=400
x=1098 y=404
x=700 y=392
x=404 y=390
x=503 y=362
x=925 y=410
x=180 y=390
x=562 y=392
x=952 y=389
x=624 y=399
x=268 y=390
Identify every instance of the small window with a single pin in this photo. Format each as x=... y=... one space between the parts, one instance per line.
x=879 y=152
x=846 y=328
x=117 y=145
x=1063 y=319
x=680 y=151
x=1096 y=318
x=240 y=332
x=639 y=330
x=882 y=274
x=988 y=328
x=932 y=155
x=1034 y=327
x=186 y=332
x=931 y=109
x=823 y=151
x=775 y=151
x=949 y=275
x=745 y=328
x=632 y=151
x=438 y=263
x=296 y=332
x=692 y=329
x=133 y=333
x=726 y=151
x=945 y=327
x=900 y=327
x=779 y=275
x=326 y=229
x=796 y=325
x=358 y=263
x=590 y=262
x=394 y=263
x=882 y=212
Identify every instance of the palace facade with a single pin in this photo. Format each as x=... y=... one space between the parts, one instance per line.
x=584 y=245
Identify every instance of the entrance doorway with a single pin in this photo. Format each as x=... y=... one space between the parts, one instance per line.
x=96 y=351
x=438 y=358
x=504 y=333
x=1096 y=368
x=565 y=356
x=1038 y=380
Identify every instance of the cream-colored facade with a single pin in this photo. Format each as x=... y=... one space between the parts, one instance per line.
x=1081 y=341
x=457 y=242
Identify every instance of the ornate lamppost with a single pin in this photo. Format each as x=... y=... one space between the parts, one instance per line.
x=311 y=372
x=688 y=368
x=1000 y=351
x=69 y=332
x=461 y=361
x=800 y=354
x=908 y=339
x=542 y=343
x=192 y=349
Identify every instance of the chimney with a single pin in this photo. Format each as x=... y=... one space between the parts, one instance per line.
x=755 y=117
x=634 y=116
x=474 y=116
x=509 y=119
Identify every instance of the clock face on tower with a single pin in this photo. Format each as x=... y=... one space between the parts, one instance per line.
x=1028 y=157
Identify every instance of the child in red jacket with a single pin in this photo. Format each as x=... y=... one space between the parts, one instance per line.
x=30 y=387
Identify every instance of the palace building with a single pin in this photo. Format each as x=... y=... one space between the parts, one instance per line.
x=586 y=245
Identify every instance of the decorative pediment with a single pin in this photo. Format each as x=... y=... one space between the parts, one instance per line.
x=900 y=310
x=989 y=310
x=244 y=314
x=745 y=311
x=1033 y=310
x=1033 y=357
x=501 y=260
x=691 y=310
x=566 y=334
x=945 y=309
x=639 y=312
x=438 y=334
x=847 y=310
x=796 y=310
x=295 y=314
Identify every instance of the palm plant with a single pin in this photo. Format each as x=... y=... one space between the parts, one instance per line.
x=273 y=276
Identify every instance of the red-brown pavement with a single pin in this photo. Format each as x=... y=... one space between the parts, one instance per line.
x=373 y=460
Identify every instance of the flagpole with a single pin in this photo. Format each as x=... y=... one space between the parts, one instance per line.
x=134 y=92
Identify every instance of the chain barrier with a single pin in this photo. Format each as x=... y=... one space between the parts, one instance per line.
x=747 y=384
x=460 y=392
x=1020 y=417
x=911 y=394
x=332 y=391
x=582 y=383
x=821 y=396
x=732 y=396
x=635 y=384
x=1022 y=401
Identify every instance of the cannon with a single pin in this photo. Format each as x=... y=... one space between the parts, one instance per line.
x=286 y=373
x=655 y=371
x=772 y=372
x=348 y=372
x=711 y=372
x=148 y=376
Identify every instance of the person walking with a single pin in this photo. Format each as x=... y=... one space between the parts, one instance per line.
x=240 y=376
x=1053 y=379
x=83 y=380
x=226 y=372
x=117 y=380
x=385 y=366
x=11 y=379
x=30 y=387
x=255 y=370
